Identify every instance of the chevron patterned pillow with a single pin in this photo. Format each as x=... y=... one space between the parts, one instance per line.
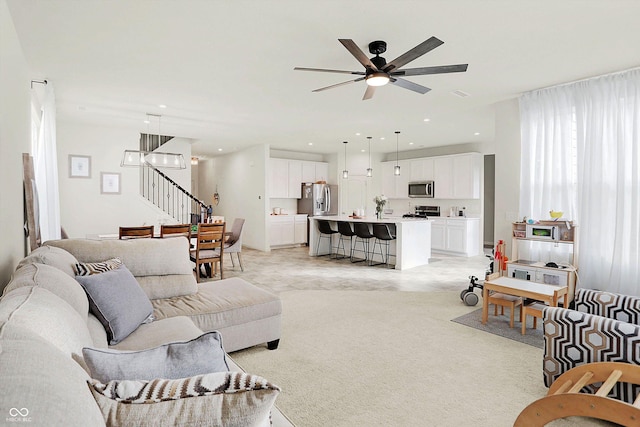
x=90 y=268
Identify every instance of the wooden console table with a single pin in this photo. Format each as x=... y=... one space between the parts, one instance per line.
x=522 y=288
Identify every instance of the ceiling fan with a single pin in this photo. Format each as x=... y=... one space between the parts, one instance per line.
x=378 y=72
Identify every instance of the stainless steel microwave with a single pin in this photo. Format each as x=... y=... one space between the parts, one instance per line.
x=423 y=189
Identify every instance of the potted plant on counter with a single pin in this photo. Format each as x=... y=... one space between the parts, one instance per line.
x=380 y=202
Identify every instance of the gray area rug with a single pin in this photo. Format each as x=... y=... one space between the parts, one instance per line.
x=499 y=325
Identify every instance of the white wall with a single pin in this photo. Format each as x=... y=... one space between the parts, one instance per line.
x=83 y=209
x=240 y=179
x=15 y=137
x=507 y=166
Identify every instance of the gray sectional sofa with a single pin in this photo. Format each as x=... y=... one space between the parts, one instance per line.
x=46 y=322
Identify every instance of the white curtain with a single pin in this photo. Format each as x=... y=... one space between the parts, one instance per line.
x=547 y=174
x=581 y=155
x=45 y=165
x=608 y=136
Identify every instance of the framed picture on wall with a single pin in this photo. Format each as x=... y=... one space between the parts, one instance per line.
x=110 y=183
x=79 y=166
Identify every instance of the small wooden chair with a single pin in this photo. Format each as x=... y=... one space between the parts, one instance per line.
x=532 y=309
x=505 y=300
x=145 y=231
x=209 y=247
x=174 y=230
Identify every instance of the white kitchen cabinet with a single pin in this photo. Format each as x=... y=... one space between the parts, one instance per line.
x=287 y=176
x=279 y=178
x=457 y=176
x=300 y=229
x=457 y=236
x=421 y=169
x=314 y=171
x=443 y=177
x=295 y=179
x=287 y=230
x=438 y=234
x=466 y=176
x=396 y=186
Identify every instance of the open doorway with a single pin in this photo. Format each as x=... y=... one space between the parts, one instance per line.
x=489 y=199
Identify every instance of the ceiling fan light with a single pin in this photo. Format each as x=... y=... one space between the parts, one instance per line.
x=377 y=79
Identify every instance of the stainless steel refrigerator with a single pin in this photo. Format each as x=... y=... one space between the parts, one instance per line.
x=318 y=199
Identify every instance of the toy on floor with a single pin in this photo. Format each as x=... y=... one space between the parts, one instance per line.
x=467 y=295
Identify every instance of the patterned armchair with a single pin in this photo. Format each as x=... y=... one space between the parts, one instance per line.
x=604 y=327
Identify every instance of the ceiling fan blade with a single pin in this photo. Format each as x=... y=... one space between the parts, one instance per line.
x=323 y=70
x=339 y=84
x=368 y=94
x=409 y=85
x=441 y=69
x=358 y=53
x=414 y=53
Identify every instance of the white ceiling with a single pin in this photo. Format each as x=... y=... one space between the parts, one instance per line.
x=224 y=69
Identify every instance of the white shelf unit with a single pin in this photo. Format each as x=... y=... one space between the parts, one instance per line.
x=537 y=271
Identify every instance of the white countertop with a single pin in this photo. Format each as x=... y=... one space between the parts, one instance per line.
x=390 y=220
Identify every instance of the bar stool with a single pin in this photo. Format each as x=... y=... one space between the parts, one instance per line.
x=345 y=230
x=383 y=236
x=327 y=232
x=363 y=235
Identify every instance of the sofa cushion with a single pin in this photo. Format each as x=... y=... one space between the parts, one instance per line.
x=53 y=280
x=117 y=300
x=149 y=260
x=175 y=360
x=221 y=303
x=89 y=268
x=230 y=399
x=30 y=311
x=97 y=332
x=53 y=256
x=158 y=332
x=35 y=375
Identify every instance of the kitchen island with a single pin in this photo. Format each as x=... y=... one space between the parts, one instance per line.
x=411 y=248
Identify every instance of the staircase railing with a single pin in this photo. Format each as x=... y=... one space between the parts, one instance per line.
x=169 y=196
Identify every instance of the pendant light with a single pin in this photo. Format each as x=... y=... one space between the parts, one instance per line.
x=369 y=170
x=396 y=170
x=146 y=156
x=345 y=172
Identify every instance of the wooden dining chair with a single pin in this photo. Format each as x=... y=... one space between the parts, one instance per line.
x=145 y=231
x=209 y=248
x=175 y=230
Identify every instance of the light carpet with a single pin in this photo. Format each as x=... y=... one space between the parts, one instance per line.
x=379 y=358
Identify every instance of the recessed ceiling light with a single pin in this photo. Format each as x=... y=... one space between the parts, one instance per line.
x=382 y=137
x=357 y=133
x=162 y=106
x=219 y=149
x=411 y=143
x=311 y=143
x=427 y=120
x=362 y=151
x=477 y=133
x=146 y=121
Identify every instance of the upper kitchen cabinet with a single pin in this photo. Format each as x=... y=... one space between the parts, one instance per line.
x=421 y=169
x=287 y=176
x=285 y=179
x=395 y=186
x=314 y=171
x=458 y=176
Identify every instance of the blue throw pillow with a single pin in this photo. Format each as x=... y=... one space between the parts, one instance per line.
x=118 y=301
x=202 y=355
